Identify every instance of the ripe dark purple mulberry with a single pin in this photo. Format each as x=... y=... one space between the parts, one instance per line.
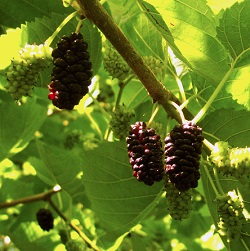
x=183 y=147
x=145 y=153
x=45 y=219
x=72 y=73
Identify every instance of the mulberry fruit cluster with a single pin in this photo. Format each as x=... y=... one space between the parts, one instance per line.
x=120 y=121
x=106 y=95
x=231 y=218
x=232 y=161
x=23 y=71
x=117 y=67
x=73 y=245
x=155 y=65
x=72 y=73
x=114 y=63
x=64 y=235
x=45 y=219
x=72 y=139
x=220 y=157
x=145 y=153
x=240 y=162
x=183 y=147
x=179 y=204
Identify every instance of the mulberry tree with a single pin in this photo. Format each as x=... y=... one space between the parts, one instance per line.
x=124 y=125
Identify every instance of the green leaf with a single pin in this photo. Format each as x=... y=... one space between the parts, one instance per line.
x=123 y=10
x=93 y=37
x=42 y=172
x=15 y=189
x=227 y=125
x=234 y=30
x=189 y=28
x=227 y=184
x=117 y=198
x=41 y=29
x=15 y=12
x=27 y=234
x=63 y=167
x=145 y=38
x=11 y=43
x=239 y=86
x=18 y=125
x=225 y=98
x=218 y=6
x=133 y=94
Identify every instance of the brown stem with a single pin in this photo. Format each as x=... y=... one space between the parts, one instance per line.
x=73 y=226
x=29 y=199
x=95 y=12
x=47 y=197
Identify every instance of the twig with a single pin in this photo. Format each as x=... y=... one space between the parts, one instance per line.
x=95 y=12
x=122 y=85
x=73 y=226
x=33 y=198
x=46 y=196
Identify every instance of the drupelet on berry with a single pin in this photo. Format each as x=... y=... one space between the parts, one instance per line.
x=183 y=147
x=230 y=215
x=145 y=153
x=120 y=121
x=232 y=161
x=179 y=204
x=114 y=64
x=72 y=73
x=23 y=72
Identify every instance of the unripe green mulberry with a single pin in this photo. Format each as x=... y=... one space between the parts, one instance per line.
x=72 y=139
x=155 y=65
x=220 y=156
x=118 y=67
x=240 y=162
x=114 y=63
x=73 y=245
x=23 y=71
x=231 y=218
x=64 y=236
x=179 y=203
x=120 y=121
x=90 y=141
x=232 y=161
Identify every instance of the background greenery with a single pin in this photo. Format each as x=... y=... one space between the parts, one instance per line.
x=99 y=194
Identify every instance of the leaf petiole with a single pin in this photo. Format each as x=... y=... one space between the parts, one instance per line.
x=210 y=180
x=203 y=111
x=217 y=181
x=103 y=111
x=59 y=28
x=153 y=115
x=122 y=86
